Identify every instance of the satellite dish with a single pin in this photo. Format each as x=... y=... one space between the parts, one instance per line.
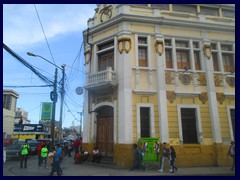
x=79 y=90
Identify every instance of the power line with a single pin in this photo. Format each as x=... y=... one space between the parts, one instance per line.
x=44 y=34
x=26 y=86
x=29 y=66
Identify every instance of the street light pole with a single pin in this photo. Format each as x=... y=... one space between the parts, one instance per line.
x=54 y=96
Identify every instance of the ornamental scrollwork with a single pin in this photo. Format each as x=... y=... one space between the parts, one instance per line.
x=168 y=78
x=171 y=96
x=203 y=97
x=220 y=97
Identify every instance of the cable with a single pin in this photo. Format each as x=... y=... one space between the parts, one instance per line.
x=44 y=34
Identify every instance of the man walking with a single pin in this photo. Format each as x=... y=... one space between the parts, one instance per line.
x=165 y=156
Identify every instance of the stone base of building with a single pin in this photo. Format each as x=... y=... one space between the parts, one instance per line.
x=187 y=155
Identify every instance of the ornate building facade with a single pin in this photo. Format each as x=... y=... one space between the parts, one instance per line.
x=165 y=71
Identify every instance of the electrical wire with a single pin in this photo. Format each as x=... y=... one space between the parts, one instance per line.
x=44 y=34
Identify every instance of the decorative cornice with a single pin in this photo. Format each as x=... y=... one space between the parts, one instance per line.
x=231 y=81
x=202 y=79
x=217 y=80
x=106 y=11
x=87 y=56
x=168 y=77
x=207 y=50
x=171 y=96
x=124 y=41
x=203 y=97
x=159 y=47
x=220 y=97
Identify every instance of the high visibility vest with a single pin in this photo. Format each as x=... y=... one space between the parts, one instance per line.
x=25 y=148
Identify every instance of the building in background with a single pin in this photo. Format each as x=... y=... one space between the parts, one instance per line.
x=21 y=114
x=165 y=71
x=9 y=108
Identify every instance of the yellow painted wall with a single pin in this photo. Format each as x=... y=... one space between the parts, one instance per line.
x=222 y=36
x=180 y=32
x=142 y=28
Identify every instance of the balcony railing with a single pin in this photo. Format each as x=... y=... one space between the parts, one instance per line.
x=102 y=79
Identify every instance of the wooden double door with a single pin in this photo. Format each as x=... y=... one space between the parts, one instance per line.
x=105 y=135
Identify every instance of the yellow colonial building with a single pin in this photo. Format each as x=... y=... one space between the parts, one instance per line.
x=164 y=71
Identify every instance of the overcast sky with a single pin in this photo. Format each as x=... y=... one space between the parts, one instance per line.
x=63 y=25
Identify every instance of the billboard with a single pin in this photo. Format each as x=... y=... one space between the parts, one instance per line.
x=46 y=112
x=29 y=128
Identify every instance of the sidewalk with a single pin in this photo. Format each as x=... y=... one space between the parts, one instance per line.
x=11 y=168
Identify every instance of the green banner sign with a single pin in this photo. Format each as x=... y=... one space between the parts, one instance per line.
x=46 y=111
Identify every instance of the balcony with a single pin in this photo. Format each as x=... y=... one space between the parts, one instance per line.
x=101 y=80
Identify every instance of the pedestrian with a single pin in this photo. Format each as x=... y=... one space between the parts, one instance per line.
x=85 y=156
x=137 y=161
x=24 y=154
x=172 y=159
x=76 y=145
x=231 y=153
x=44 y=154
x=96 y=155
x=39 y=148
x=165 y=156
x=78 y=158
x=56 y=161
x=80 y=144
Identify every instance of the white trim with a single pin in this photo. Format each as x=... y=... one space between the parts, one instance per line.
x=144 y=91
x=198 y=121
x=179 y=93
x=229 y=107
x=152 y=123
x=229 y=94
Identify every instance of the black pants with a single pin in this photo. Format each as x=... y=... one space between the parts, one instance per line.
x=23 y=158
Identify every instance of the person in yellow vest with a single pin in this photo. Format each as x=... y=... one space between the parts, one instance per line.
x=24 y=154
x=44 y=154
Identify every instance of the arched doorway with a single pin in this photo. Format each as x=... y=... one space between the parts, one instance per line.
x=105 y=130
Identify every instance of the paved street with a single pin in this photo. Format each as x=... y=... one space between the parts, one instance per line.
x=11 y=168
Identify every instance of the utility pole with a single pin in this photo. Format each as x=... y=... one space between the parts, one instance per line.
x=54 y=99
x=62 y=99
x=81 y=123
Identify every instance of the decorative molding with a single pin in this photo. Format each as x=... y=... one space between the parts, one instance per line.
x=159 y=47
x=185 y=78
x=144 y=91
x=106 y=12
x=124 y=44
x=217 y=80
x=220 y=97
x=207 y=50
x=203 y=97
x=202 y=79
x=171 y=96
x=168 y=77
x=187 y=94
x=231 y=81
x=87 y=54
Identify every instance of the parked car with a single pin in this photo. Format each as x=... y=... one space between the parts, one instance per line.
x=33 y=146
x=13 y=151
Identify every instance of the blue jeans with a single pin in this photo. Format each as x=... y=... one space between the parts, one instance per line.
x=163 y=161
